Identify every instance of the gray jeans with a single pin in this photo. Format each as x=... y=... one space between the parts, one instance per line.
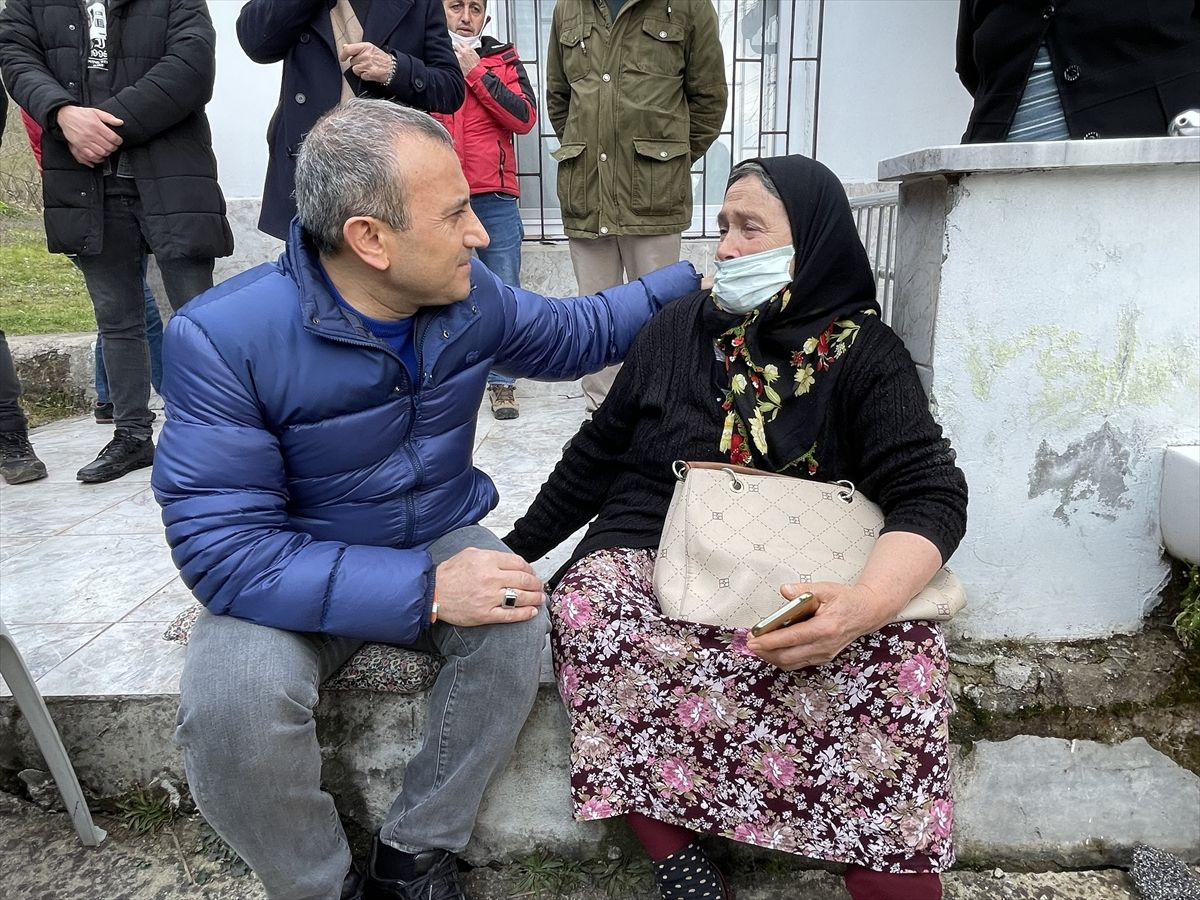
x=250 y=746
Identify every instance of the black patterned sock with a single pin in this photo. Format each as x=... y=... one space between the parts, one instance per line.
x=689 y=874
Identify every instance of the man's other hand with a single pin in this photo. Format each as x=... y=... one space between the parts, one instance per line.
x=89 y=132
x=471 y=586
x=368 y=62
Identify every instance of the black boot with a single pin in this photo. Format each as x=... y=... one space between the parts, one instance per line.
x=395 y=875
x=353 y=885
x=123 y=454
x=689 y=874
x=18 y=462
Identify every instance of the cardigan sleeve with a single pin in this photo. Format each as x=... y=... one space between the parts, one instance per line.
x=579 y=484
x=898 y=453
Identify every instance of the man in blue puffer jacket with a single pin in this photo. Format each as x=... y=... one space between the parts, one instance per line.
x=317 y=489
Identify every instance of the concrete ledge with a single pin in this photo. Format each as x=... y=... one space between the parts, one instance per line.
x=56 y=369
x=1029 y=801
x=1020 y=157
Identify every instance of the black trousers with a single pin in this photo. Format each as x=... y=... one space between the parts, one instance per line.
x=114 y=281
x=12 y=418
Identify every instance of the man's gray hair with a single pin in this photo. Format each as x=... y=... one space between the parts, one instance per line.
x=349 y=165
x=752 y=167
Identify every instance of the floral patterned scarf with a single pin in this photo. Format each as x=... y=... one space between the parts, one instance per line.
x=780 y=356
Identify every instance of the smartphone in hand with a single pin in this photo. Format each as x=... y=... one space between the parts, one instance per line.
x=790 y=613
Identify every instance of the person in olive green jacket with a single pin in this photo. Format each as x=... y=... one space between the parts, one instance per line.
x=636 y=93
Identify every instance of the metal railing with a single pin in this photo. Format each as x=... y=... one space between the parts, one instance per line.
x=772 y=64
x=875 y=218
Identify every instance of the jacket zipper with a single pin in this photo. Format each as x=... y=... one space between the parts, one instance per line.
x=409 y=507
x=414 y=384
x=503 y=157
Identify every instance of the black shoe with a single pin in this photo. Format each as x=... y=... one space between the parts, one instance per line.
x=103 y=413
x=352 y=887
x=689 y=874
x=122 y=455
x=18 y=462
x=434 y=876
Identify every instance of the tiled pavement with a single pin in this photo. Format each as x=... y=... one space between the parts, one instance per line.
x=86 y=580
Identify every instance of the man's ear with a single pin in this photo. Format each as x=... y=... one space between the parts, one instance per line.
x=363 y=236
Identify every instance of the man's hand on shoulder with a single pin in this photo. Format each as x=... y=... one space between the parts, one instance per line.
x=471 y=587
x=89 y=133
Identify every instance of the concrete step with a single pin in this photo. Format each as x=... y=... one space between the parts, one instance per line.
x=40 y=857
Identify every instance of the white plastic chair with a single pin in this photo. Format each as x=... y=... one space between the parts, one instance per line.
x=29 y=700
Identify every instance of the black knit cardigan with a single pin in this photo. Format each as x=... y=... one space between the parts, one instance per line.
x=665 y=406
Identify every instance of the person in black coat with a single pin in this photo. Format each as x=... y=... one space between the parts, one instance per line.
x=1120 y=69
x=119 y=89
x=334 y=49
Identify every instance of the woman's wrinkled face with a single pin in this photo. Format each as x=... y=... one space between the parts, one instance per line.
x=751 y=220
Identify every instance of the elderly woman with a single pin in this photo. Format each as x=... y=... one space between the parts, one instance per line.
x=828 y=738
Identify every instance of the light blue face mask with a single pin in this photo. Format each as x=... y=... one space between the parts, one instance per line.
x=746 y=282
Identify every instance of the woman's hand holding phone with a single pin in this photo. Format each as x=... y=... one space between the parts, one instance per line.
x=838 y=615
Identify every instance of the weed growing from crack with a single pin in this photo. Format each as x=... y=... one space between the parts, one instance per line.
x=542 y=875
x=1187 y=623
x=146 y=810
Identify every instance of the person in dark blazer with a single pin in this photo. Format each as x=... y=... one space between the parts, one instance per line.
x=1070 y=69
x=331 y=50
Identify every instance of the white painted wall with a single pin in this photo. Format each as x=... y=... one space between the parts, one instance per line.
x=1066 y=358
x=888 y=84
x=243 y=100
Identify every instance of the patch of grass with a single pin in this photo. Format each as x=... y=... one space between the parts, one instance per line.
x=542 y=875
x=1187 y=623
x=41 y=292
x=42 y=413
x=147 y=810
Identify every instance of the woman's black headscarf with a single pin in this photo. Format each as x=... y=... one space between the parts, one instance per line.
x=779 y=356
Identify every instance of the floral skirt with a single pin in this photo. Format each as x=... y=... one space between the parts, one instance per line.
x=845 y=762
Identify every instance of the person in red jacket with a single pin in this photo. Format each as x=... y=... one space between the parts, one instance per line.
x=499 y=104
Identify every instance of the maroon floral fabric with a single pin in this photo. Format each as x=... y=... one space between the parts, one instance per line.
x=846 y=762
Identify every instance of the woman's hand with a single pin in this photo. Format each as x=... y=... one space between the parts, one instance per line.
x=368 y=62
x=900 y=564
x=846 y=613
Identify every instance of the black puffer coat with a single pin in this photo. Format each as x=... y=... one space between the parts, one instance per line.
x=1124 y=68
x=162 y=65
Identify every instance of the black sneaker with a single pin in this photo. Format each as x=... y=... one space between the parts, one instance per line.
x=18 y=462
x=434 y=877
x=122 y=455
x=103 y=413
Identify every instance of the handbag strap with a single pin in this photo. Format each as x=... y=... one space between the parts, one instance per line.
x=681 y=467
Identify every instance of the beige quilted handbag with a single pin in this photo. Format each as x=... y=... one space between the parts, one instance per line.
x=733 y=535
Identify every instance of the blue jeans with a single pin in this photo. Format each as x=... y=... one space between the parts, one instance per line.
x=154 y=335
x=501 y=216
x=253 y=761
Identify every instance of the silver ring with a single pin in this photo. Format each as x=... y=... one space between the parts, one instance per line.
x=510 y=597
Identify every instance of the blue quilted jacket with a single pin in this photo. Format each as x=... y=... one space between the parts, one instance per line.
x=302 y=473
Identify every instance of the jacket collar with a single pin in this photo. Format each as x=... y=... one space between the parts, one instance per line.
x=492 y=47
x=382 y=19
x=321 y=312
x=324 y=316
